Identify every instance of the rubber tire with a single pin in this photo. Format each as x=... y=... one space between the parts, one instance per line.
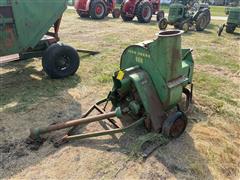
x=169 y=122
x=116 y=13
x=182 y=26
x=162 y=24
x=160 y=15
x=140 y=8
x=52 y=55
x=92 y=10
x=230 y=28
x=123 y=15
x=198 y=22
x=82 y=15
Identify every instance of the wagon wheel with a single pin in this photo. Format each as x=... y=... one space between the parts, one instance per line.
x=144 y=12
x=174 y=125
x=60 y=61
x=98 y=10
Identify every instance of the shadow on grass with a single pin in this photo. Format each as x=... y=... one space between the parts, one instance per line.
x=36 y=100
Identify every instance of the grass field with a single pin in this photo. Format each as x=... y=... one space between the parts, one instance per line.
x=209 y=149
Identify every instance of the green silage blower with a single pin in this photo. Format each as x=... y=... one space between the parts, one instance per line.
x=233 y=20
x=147 y=90
x=185 y=14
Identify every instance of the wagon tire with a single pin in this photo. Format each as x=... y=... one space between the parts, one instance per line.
x=124 y=16
x=60 y=61
x=144 y=12
x=98 y=10
x=174 y=125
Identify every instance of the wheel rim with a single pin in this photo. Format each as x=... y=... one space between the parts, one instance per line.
x=162 y=24
x=99 y=10
x=146 y=13
x=177 y=128
x=62 y=63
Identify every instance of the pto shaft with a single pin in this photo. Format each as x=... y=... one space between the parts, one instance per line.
x=36 y=132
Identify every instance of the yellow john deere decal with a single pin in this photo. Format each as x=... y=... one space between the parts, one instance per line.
x=120 y=75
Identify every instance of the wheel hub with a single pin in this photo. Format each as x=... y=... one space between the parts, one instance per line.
x=99 y=10
x=146 y=12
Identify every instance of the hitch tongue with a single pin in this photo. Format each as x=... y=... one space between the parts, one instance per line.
x=36 y=132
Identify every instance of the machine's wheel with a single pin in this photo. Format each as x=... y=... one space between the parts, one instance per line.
x=201 y=22
x=184 y=26
x=116 y=13
x=98 y=10
x=160 y=15
x=82 y=15
x=144 y=12
x=60 y=60
x=124 y=16
x=174 y=125
x=230 y=28
x=162 y=24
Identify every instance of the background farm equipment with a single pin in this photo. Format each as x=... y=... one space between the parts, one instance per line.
x=29 y=29
x=143 y=9
x=184 y=14
x=96 y=9
x=147 y=90
x=233 y=20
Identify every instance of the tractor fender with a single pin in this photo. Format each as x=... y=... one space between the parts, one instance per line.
x=82 y=5
x=205 y=10
x=129 y=6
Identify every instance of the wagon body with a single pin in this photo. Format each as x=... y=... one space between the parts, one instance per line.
x=24 y=23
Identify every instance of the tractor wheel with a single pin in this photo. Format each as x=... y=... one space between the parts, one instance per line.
x=82 y=15
x=230 y=28
x=184 y=26
x=160 y=15
x=123 y=14
x=60 y=61
x=162 y=24
x=144 y=12
x=116 y=13
x=201 y=22
x=98 y=10
x=174 y=125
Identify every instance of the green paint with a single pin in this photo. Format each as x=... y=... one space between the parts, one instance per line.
x=30 y=21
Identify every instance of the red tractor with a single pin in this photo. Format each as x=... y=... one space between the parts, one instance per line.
x=96 y=9
x=143 y=9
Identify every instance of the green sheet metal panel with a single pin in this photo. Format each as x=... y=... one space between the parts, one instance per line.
x=31 y=20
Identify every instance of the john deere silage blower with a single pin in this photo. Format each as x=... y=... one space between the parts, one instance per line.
x=184 y=14
x=233 y=20
x=147 y=90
